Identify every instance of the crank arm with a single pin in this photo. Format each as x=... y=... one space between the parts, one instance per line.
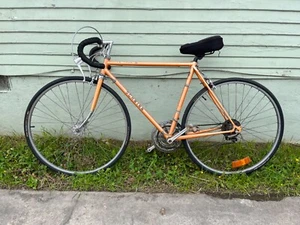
x=150 y=149
x=172 y=139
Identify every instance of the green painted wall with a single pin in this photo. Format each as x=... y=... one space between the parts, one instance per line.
x=261 y=37
x=261 y=42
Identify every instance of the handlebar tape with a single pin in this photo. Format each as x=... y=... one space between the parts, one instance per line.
x=82 y=45
x=94 y=50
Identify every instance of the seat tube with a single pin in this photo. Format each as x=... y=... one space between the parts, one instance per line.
x=182 y=99
x=97 y=92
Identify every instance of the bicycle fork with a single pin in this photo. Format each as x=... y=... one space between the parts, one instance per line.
x=79 y=127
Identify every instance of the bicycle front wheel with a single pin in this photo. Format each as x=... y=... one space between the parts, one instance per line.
x=63 y=136
x=250 y=105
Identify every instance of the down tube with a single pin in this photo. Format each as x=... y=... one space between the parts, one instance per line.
x=135 y=102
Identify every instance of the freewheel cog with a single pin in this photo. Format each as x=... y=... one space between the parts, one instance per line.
x=226 y=126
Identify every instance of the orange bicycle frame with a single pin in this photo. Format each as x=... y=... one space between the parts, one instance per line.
x=193 y=70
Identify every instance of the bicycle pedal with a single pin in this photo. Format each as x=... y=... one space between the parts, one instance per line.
x=150 y=149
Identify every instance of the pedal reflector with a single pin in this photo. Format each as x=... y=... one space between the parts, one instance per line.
x=241 y=162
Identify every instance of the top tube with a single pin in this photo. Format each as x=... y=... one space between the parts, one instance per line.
x=106 y=50
x=156 y=64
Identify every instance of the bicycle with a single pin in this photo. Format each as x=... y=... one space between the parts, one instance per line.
x=78 y=124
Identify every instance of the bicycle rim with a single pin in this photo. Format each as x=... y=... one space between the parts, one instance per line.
x=54 y=131
x=249 y=104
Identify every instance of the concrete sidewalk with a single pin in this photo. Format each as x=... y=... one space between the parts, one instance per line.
x=38 y=207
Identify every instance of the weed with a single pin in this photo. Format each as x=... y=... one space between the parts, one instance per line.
x=152 y=172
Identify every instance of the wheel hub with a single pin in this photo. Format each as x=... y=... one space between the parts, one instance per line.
x=78 y=129
x=227 y=125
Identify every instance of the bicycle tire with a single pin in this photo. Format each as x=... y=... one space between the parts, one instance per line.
x=248 y=103
x=52 y=122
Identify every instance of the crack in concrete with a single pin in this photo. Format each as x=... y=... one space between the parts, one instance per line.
x=70 y=211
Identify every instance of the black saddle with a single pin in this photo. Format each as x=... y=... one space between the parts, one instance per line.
x=203 y=47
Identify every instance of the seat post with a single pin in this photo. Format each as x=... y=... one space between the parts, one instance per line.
x=198 y=57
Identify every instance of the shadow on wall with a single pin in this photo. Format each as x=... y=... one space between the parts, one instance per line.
x=4 y=84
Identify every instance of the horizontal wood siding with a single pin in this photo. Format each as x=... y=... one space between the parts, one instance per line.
x=261 y=38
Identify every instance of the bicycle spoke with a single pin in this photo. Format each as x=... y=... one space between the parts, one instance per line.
x=59 y=138
x=251 y=106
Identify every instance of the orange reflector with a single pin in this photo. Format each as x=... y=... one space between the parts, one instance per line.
x=241 y=162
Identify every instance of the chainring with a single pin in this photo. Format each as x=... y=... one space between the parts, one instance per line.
x=160 y=141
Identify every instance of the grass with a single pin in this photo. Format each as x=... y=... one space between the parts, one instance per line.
x=152 y=172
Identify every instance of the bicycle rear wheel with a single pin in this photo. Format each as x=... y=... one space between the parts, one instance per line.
x=54 y=133
x=249 y=104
